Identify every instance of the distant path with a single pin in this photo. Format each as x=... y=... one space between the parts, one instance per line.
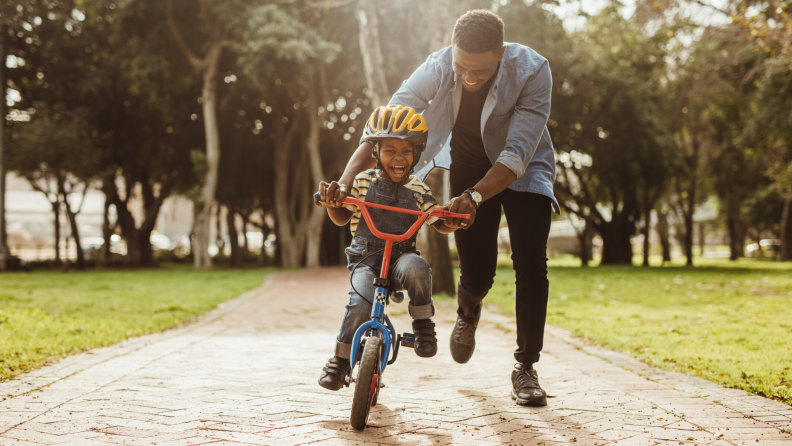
x=246 y=374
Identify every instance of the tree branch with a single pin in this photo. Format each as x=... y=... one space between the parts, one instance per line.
x=191 y=57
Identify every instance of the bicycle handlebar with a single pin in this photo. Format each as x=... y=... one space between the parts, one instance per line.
x=422 y=216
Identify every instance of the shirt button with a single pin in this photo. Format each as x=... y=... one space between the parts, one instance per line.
x=413 y=244
x=441 y=145
x=426 y=162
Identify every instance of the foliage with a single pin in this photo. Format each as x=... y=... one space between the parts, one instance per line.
x=47 y=315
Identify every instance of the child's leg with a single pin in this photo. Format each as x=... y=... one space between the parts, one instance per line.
x=414 y=275
x=358 y=310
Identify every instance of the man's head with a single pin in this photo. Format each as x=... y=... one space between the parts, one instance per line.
x=477 y=47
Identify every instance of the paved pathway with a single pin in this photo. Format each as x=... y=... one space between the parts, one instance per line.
x=246 y=374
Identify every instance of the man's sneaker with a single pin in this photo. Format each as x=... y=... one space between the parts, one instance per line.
x=425 y=338
x=527 y=391
x=463 y=341
x=334 y=373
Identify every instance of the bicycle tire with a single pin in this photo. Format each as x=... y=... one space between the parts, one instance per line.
x=363 y=396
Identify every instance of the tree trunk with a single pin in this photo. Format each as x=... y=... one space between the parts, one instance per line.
x=616 y=246
x=290 y=230
x=786 y=225
x=72 y=216
x=586 y=240
x=4 y=250
x=702 y=233
x=734 y=223
x=209 y=94
x=317 y=215
x=56 y=213
x=647 y=217
x=233 y=236
x=139 y=251
x=434 y=245
x=689 y=227
x=107 y=232
x=245 y=244
x=373 y=65
x=265 y=232
x=662 y=232
x=219 y=241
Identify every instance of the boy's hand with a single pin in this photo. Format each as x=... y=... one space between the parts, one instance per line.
x=332 y=193
x=460 y=205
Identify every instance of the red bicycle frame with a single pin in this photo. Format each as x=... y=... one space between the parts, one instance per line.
x=390 y=238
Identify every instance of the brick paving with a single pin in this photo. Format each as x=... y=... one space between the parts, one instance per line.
x=246 y=375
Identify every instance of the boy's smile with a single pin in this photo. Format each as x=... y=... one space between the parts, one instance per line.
x=396 y=157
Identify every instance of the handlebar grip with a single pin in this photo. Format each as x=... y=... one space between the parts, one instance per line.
x=318 y=198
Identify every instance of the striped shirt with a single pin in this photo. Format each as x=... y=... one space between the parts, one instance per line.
x=360 y=189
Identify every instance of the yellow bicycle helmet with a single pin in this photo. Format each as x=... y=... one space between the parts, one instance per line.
x=397 y=121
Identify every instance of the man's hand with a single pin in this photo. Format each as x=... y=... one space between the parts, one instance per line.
x=460 y=205
x=332 y=193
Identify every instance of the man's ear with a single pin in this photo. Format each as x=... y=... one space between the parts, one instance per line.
x=502 y=52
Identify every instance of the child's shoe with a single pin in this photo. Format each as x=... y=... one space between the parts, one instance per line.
x=425 y=338
x=334 y=373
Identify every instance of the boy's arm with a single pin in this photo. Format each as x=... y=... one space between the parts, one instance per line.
x=340 y=216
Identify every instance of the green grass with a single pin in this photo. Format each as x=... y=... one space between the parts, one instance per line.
x=729 y=322
x=46 y=315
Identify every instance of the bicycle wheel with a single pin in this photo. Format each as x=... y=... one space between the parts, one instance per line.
x=365 y=386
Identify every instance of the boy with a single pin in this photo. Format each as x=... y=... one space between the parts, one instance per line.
x=399 y=136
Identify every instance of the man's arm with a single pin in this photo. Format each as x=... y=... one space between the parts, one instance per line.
x=415 y=92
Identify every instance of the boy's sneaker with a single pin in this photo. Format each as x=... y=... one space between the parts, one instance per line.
x=526 y=389
x=425 y=338
x=334 y=373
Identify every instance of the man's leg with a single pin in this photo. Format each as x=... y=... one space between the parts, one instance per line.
x=529 y=216
x=477 y=248
x=412 y=273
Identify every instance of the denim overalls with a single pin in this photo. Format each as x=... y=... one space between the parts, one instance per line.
x=408 y=270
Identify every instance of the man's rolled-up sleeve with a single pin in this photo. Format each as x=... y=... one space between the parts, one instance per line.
x=528 y=121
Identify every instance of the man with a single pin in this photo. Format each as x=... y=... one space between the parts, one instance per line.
x=501 y=157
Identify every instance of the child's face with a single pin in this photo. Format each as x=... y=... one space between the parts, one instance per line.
x=396 y=157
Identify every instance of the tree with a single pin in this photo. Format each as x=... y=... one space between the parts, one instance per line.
x=54 y=152
x=605 y=127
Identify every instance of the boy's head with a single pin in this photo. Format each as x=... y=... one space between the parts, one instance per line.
x=399 y=135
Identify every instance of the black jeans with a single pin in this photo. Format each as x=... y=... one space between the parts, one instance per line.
x=528 y=217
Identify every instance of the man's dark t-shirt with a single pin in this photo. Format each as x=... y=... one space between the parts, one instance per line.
x=468 y=157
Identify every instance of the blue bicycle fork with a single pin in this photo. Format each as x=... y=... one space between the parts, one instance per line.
x=376 y=323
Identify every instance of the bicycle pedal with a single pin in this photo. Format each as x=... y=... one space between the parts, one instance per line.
x=408 y=340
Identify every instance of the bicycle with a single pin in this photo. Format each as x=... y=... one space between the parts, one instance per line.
x=377 y=337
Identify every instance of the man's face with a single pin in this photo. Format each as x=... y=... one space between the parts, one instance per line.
x=396 y=157
x=474 y=70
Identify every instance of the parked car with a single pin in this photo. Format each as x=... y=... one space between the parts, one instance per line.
x=767 y=247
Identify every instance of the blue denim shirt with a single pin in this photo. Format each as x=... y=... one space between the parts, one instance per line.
x=513 y=121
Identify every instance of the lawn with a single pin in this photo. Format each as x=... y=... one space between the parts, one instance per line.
x=46 y=315
x=729 y=322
